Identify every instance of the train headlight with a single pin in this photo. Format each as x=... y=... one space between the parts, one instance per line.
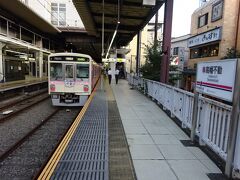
x=85 y=88
x=52 y=87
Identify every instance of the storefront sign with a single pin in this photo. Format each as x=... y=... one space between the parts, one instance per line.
x=207 y=37
x=216 y=78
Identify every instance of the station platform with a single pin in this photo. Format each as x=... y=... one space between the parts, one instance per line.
x=29 y=81
x=122 y=134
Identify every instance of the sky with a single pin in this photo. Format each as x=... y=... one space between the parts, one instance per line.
x=182 y=11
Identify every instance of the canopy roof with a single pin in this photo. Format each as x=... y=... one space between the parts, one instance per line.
x=133 y=17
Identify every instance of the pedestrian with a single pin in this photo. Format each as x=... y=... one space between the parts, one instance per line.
x=109 y=75
x=116 y=75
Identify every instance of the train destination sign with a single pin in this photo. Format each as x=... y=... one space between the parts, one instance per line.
x=217 y=78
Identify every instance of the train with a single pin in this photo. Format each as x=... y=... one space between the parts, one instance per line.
x=71 y=78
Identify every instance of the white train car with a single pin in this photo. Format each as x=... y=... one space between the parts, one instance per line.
x=72 y=77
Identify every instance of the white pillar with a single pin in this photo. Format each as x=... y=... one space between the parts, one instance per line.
x=39 y=58
x=2 y=79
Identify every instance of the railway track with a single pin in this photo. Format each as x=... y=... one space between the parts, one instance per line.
x=23 y=139
x=13 y=108
x=22 y=98
x=25 y=157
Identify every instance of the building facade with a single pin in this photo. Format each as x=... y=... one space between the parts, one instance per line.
x=60 y=13
x=147 y=38
x=180 y=51
x=214 y=30
x=179 y=58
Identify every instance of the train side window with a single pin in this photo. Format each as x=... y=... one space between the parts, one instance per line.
x=56 y=72
x=82 y=71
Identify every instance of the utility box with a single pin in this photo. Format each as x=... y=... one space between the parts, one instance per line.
x=149 y=2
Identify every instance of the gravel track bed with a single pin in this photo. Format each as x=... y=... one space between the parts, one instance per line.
x=27 y=160
x=20 y=97
x=18 y=126
x=25 y=104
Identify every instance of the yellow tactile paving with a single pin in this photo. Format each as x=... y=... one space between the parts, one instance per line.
x=51 y=165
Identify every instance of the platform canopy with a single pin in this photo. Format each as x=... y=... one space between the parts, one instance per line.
x=133 y=16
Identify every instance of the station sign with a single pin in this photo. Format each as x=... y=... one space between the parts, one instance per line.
x=113 y=60
x=121 y=60
x=108 y=60
x=149 y=2
x=217 y=78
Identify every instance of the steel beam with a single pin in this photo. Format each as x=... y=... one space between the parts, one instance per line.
x=166 y=41
x=138 y=58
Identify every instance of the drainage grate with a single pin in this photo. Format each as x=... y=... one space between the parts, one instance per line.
x=86 y=156
x=188 y=143
x=217 y=176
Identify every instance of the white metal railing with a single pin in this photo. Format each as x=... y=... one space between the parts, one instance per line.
x=213 y=116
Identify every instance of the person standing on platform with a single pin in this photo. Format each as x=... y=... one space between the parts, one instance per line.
x=109 y=75
x=116 y=75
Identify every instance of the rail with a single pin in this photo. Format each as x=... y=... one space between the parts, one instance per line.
x=213 y=116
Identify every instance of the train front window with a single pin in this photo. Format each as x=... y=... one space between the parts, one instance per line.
x=69 y=71
x=56 y=72
x=82 y=70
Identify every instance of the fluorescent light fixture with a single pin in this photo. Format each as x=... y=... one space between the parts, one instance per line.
x=16 y=52
x=115 y=32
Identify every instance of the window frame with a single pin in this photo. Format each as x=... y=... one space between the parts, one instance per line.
x=62 y=72
x=59 y=14
x=214 y=6
x=205 y=20
x=87 y=66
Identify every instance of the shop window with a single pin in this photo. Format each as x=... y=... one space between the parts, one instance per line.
x=203 y=20
x=206 y=51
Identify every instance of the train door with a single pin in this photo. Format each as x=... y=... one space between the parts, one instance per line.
x=69 y=77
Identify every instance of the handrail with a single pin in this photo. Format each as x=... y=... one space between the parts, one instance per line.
x=213 y=116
